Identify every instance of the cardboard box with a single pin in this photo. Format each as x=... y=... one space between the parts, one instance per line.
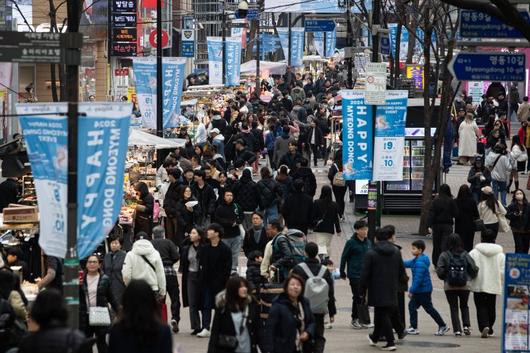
x=14 y=213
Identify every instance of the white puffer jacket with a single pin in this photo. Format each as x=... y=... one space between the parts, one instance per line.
x=489 y=258
x=135 y=267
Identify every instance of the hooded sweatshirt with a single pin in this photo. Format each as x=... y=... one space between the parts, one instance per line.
x=489 y=258
x=135 y=267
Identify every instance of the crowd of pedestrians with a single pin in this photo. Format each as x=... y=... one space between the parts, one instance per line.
x=243 y=187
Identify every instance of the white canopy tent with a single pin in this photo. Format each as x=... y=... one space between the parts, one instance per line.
x=138 y=137
x=273 y=68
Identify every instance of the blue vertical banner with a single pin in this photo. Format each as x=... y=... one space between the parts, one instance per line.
x=102 y=139
x=331 y=43
x=215 y=60
x=515 y=334
x=297 y=44
x=233 y=61
x=390 y=137
x=357 y=132
x=46 y=142
x=173 y=72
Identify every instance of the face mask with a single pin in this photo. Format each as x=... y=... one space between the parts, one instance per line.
x=519 y=197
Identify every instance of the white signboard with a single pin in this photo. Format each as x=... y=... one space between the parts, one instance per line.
x=375 y=83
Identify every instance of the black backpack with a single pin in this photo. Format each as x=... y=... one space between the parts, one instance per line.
x=457 y=270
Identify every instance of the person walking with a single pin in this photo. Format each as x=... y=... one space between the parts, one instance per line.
x=338 y=184
x=255 y=236
x=317 y=293
x=518 y=213
x=236 y=321
x=501 y=168
x=326 y=219
x=315 y=140
x=440 y=220
x=290 y=326
x=144 y=262
x=189 y=214
x=143 y=219
x=112 y=267
x=297 y=209
x=518 y=157
x=465 y=222
x=489 y=258
x=94 y=292
x=456 y=268
x=229 y=215
x=352 y=260
x=468 y=133
x=169 y=253
x=170 y=203
x=490 y=210
x=139 y=328
x=215 y=261
x=269 y=195
x=246 y=195
x=192 y=284
x=478 y=177
x=421 y=290
x=382 y=270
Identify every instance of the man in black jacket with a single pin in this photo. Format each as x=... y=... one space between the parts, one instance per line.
x=204 y=194
x=307 y=176
x=216 y=264
x=228 y=214
x=171 y=199
x=243 y=155
x=314 y=265
x=292 y=158
x=315 y=140
x=255 y=236
x=170 y=255
x=382 y=270
x=298 y=208
x=246 y=195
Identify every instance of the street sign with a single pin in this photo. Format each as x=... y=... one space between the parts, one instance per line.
x=319 y=25
x=124 y=20
x=474 y=24
x=252 y=14
x=187 y=43
x=375 y=83
x=123 y=35
x=33 y=47
x=488 y=67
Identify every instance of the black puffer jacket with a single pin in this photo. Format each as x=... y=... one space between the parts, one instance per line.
x=307 y=176
x=246 y=192
x=55 y=340
x=297 y=211
x=229 y=216
x=169 y=252
x=519 y=216
x=381 y=275
x=443 y=211
x=269 y=193
x=103 y=298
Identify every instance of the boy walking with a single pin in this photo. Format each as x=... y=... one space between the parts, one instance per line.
x=421 y=290
x=352 y=259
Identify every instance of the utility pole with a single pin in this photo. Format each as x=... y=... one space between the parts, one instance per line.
x=258 y=47
x=71 y=261
x=159 y=79
x=349 y=38
x=223 y=34
x=289 y=42
x=374 y=214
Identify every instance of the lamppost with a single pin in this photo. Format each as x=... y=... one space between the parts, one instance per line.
x=242 y=11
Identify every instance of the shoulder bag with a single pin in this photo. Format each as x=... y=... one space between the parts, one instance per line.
x=99 y=316
x=504 y=227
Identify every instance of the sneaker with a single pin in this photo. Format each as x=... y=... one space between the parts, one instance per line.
x=175 y=326
x=356 y=325
x=442 y=330
x=467 y=331
x=412 y=331
x=485 y=332
x=328 y=325
x=491 y=333
x=389 y=347
x=195 y=332
x=458 y=333
x=401 y=336
x=204 y=333
x=367 y=325
x=371 y=341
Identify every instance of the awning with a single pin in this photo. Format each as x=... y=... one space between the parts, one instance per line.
x=138 y=137
x=273 y=68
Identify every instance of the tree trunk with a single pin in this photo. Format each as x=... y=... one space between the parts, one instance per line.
x=428 y=173
x=412 y=32
x=397 y=70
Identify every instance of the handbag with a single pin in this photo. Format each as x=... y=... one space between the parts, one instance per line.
x=504 y=227
x=479 y=225
x=227 y=341
x=98 y=316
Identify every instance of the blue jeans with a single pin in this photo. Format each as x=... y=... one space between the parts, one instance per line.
x=235 y=246
x=499 y=187
x=270 y=213
x=423 y=299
